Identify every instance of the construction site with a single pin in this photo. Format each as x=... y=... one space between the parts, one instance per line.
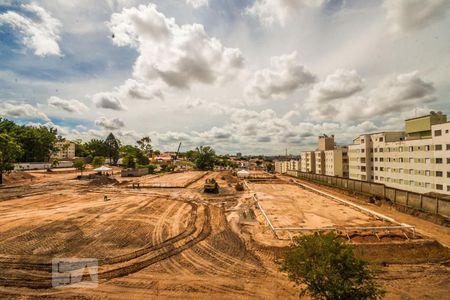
x=172 y=236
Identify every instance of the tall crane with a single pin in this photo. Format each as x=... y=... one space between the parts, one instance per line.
x=178 y=151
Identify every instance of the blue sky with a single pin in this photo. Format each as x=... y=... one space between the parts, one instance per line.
x=253 y=76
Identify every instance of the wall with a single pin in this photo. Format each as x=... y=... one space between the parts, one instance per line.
x=421 y=202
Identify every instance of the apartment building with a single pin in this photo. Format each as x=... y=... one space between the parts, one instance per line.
x=282 y=166
x=417 y=159
x=319 y=157
x=308 y=162
x=336 y=162
x=66 y=150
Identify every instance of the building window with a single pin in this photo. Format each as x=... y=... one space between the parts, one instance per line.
x=411 y=148
x=381 y=159
x=448 y=160
x=439 y=187
x=448 y=188
x=439 y=160
x=448 y=174
x=411 y=171
x=411 y=160
x=448 y=147
x=438 y=147
x=401 y=159
x=362 y=141
x=438 y=132
x=438 y=173
x=388 y=149
x=427 y=173
x=427 y=148
x=427 y=160
x=428 y=185
x=400 y=149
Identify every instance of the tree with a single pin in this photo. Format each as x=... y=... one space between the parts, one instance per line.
x=37 y=142
x=145 y=145
x=9 y=151
x=113 y=146
x=270 y=168
x=80 y=149
x=79 y=165
x=328 y=268
x=96 y=147
x=131 y=151
x=204 y=158
x=129 y=161
x=98 y=161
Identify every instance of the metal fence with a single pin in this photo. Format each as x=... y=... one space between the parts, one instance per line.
x=421 y=202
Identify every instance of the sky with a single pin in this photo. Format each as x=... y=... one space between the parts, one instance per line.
x=250 y=76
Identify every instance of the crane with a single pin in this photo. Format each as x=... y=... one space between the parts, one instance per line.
x=178 y=151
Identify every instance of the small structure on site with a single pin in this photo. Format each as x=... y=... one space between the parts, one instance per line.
x=103 y=170
x=243 y=174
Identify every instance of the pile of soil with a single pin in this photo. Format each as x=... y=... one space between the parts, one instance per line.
x=103 y=180
x=17 y=176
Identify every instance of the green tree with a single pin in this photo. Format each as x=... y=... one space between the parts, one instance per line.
x=96 y=147
x=98 y=161
x=9 y=151
x=80 y=165
x=145 y=145
x=129 y=161
x=329 y=269
x=37 y=142
x=205 y=158
x=80 y=149
x=270 y=168
x=113 y=146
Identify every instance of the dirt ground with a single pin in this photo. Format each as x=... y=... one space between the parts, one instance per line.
x=169 y=242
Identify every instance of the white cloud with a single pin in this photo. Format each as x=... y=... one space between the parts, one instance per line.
x=197 y=3
x=284 y=77
x=41 y=35
x=108 y=100
x=21 y=110
x=67 y=105
x=110 y=124
x=408 y=15
x=341 y=84
x=279 y=11
x=177 y=55
x=393 y=95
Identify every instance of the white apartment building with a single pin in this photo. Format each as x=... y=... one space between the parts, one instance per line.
x=417 y=160
x=282 y=166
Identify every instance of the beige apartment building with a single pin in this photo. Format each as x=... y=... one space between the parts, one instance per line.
x=308 y=162
x=66 y=150
x=282 y=166
x=336 y=162
x=417 y=159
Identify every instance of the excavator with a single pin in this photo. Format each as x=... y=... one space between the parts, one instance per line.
x=211 y=186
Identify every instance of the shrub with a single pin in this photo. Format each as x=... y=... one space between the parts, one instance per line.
x=328 y=268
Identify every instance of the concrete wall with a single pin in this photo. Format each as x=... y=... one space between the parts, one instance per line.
x=421 y=202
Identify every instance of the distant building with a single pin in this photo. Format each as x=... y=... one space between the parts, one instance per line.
x=336 y=162
x=66 y=150
x=239 y=155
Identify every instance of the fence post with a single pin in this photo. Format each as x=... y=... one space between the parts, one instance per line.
x=437 y=205
x=407 y=198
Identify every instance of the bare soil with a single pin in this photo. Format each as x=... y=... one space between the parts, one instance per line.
x=178 y=242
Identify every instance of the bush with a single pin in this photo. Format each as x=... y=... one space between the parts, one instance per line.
x=240 y=187
x=328 y=268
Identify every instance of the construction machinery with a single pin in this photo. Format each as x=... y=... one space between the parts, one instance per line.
x=211 y=186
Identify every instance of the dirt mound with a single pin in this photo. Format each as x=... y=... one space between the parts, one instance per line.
x=17 y=176
x=103 y=180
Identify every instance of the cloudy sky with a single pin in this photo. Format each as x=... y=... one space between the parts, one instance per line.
x=251 y=76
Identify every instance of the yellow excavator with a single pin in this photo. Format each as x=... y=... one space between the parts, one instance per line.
x=211 y=186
